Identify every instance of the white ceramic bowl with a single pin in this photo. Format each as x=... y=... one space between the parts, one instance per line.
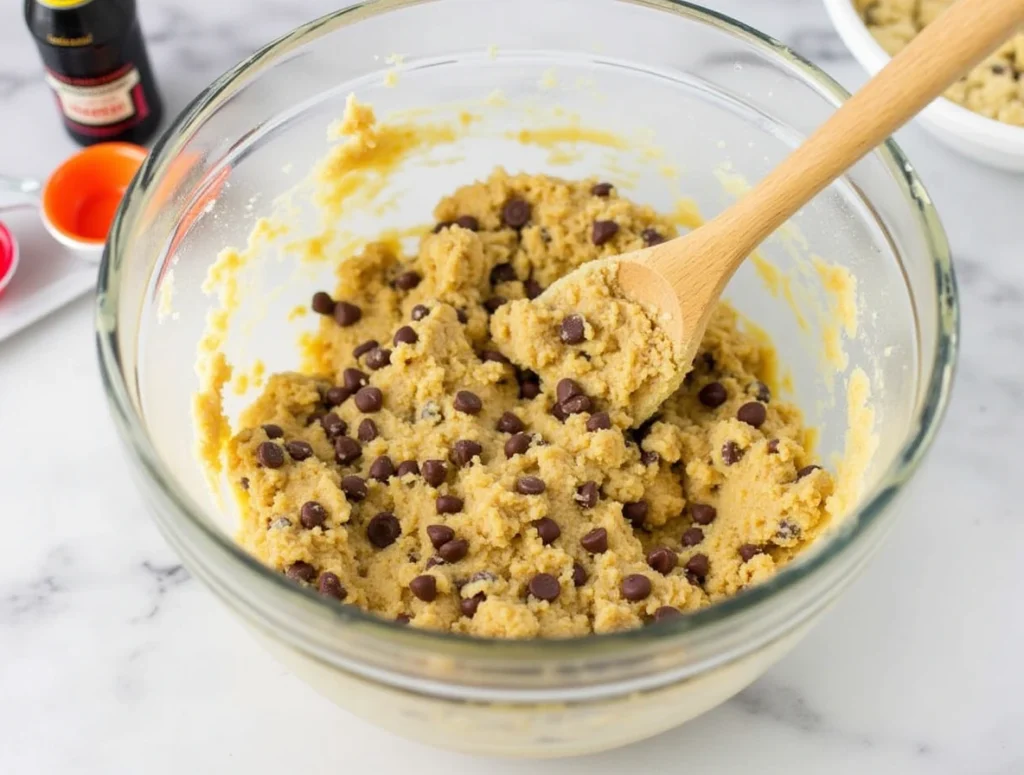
x=966 y=132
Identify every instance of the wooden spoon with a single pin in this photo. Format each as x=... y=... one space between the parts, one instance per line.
x=683 y=278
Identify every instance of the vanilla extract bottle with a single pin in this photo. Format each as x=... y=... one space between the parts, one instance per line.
x=97 y=67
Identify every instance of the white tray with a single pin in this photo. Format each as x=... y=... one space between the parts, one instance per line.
x=48 y=277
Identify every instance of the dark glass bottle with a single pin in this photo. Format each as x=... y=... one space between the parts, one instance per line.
x=97 y=66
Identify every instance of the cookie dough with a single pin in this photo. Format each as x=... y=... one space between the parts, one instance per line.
x=993 y=88
x=584 y=329
x=415 y=472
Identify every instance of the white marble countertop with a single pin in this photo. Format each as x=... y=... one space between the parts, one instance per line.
x=112 y=660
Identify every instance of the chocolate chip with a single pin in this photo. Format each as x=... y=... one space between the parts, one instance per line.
x=270 y=455
x=603 y=231
x=806 y=470
x=382 y=469
x=713 y=395
x=463 y=452
x=547 y=529
x=698 y=565
x=322 y=303
x=244 y=482
x=405 y=335
x=406 y=281
x=635 y=512
x=408 y=467
x=579 y=575
x=749 y=551
x=299 y=450
x=301 y=571
x=517 y=444
x=330 y=586
x=353 y=379
x=596 y=541
x=566 y=389
x=461 y=315
x=312 y=514
x=403 y=619
x=502 y=273
x=336 y=396
x=469 y=605
x=559 y=413
x=998 y=69
x=367 y=430
x=544 y=586
x=442 y=226
x=354 y=487
x=492 y=304
x=362 y=349
x=493 y=355
x=773 y=446
x=315 y=416
x=510 y=423
x=378 y=358
x=601 y=189
x=636 y=587
x=649 y=458
x=667 y=612
x=435 y=472
x=651 y=237
x=467 y=402
x=529 y=389
x=533 y=289
x=702 y=513
x=572 y=330
x=530 y=485
x=468 y=222
x=662 y=560
x=419 y=312
x=439 y=535
x=454 y=550
x=692 y=536
x=731 y=453
x=587 y=495
x=599 y=421
x=369 y=399
x=273 y=431
x=383 y=529
x=516 y=213
x=433 y=562
x=424 y=587
x=577 y=405
x=448 y=504
x=752 y=413
x=333 y=425
x=347 y=314
x=346 y=450
x=281 y=523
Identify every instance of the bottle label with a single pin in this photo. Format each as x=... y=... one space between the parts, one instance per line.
x=101 y=106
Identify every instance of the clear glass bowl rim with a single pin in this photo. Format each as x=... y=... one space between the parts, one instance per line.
x=926 y=422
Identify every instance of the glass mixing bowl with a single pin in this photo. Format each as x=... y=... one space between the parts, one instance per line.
x=721 y=101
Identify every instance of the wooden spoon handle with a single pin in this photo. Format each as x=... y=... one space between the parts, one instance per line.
x=943 y=51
